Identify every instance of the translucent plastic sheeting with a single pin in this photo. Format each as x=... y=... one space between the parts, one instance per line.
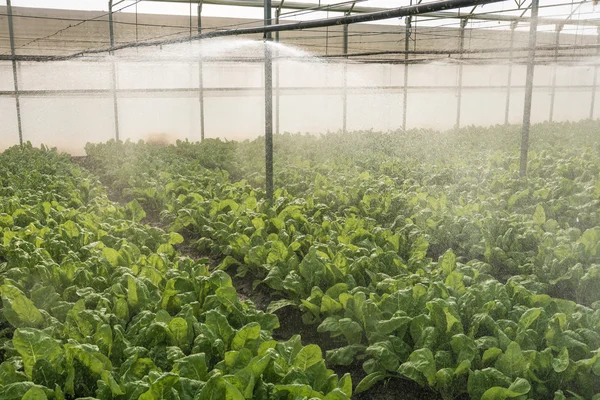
x=67 y=104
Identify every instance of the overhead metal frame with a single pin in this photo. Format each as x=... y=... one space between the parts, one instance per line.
x=554 y=72
x=513 y=26
x=593 y=102
x=113 y=70
x=461 y=46
x=358 y=9
x=277 y=99
x=407 y=34
x=529 y=88
x=11 y=35
x=201 y=75
x=268 y=104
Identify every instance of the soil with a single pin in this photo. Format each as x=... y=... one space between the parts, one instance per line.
x=290 y=319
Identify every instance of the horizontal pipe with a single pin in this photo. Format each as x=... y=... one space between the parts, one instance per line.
x=6 y=57
x=342 y=8
x=312 y=89
x=320 y=23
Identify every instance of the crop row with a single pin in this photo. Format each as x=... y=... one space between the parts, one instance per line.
x=443 y=267
x=97 y=305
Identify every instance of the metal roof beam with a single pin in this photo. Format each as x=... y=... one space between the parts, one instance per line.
x=348 y=6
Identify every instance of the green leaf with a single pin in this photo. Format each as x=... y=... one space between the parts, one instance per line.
x=8 y=374
x=218 y=323
x=329 y=305
x=18 y=310
x=420 y=367
x=351 y=330
x=181 y=333
x=419 y=249
x=175 y=238
x=590 y=240
x=529 y=317
x=539 y=216
x=113 y=256
x=44 y=373
x=71 y=229
x=518 y=388
x=135 y=211
x=393 y=324
x=161 y=387
x=279 y=304
x=447 y=262
x=490 y=355
x=6 y=220
x=345 y=384
x=464 y=347
x=103 y=338
x=455 y=281
x=308 y=356
x=370 y=380
x=561 y=362
x=278 y=252
x=35 y=394
x=89 y=356
x=481 y=380
x=297 y=391
x=512 y=363
x=344 y=355
x=192 y=367
x=246 y=333
x=34 y=345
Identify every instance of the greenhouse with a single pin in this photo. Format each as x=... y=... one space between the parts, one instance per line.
x=299 y=199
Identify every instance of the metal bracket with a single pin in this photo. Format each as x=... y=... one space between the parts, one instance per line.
x=351 y=8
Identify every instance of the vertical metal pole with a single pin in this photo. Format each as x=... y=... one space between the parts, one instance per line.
x=345 y=83
x=406 y=48
x=14 y=68
x=595 y=79
x=529 y=87
x=113 y=75
x=553 y=89
x=461 y=45
x=201 y=75
x=110 y=25
x=513 y=26
x=277 y=15
x=268 y=105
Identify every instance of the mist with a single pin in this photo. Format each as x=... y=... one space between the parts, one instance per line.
x=66 y=104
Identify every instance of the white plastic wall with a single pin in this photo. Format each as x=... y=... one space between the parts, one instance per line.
x=310 y=98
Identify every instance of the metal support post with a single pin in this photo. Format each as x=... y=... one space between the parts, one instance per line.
x=553 y=89
x=200 y=75
x=593 y=105
x=345 y=83
x=529 y=87
x=268 y=105
x=513 y=26
x=277 y=16
x=461 y=45
x=406 y=49
x=14 y=68
x=113 y=74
